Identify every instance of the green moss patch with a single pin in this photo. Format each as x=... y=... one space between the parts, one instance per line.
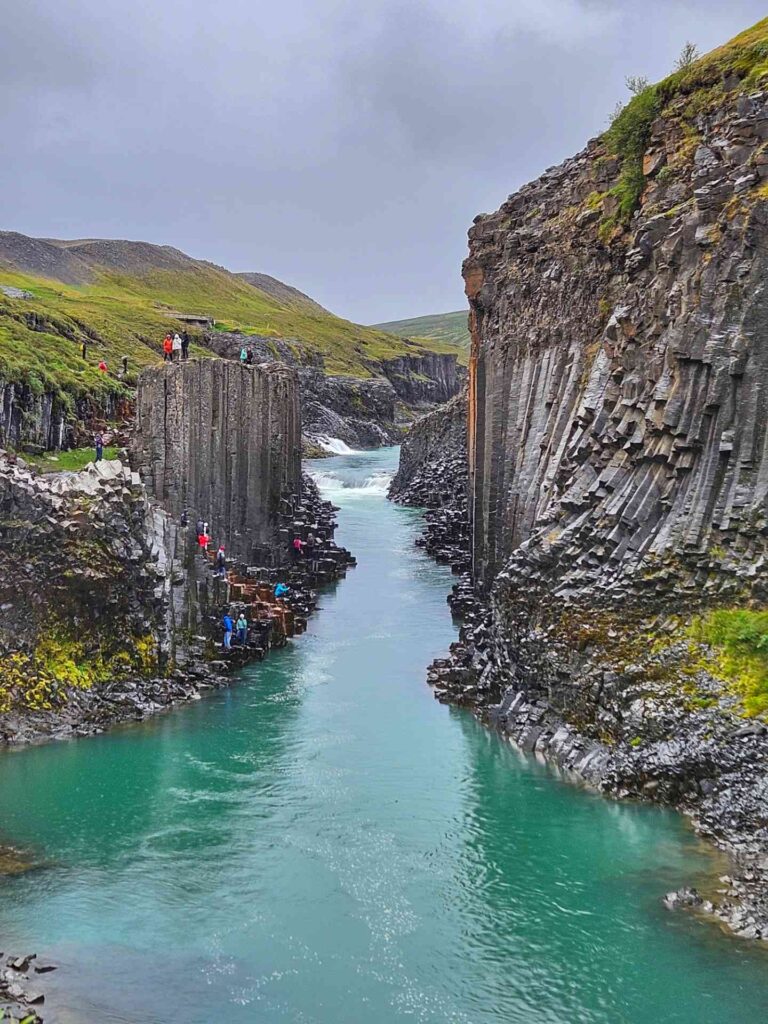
x=738 y=638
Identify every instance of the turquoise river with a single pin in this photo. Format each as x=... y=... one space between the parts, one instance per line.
x=324 y=843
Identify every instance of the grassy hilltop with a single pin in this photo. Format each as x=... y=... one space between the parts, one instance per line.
x=120 y=296
x=445 y=328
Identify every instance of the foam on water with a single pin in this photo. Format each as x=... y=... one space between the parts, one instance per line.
x=334 y=445
x=335 y=487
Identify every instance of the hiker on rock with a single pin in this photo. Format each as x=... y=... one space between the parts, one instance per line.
x=203 y=540
x=221 y=562
x=226 y=622
x=184 y=519
x=184 y=345
x=249 y=356
x=298 y=545
x=168 y=348
x=310 y=550
x=243 y=355
x=103 y=366
x=98 y=442
x=242 y=629
x=281 y=590
x=199 y=527
x=176 y=348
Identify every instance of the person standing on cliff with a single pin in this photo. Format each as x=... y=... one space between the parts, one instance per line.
x=168 y=348
x=226 y=622
x=298 y=545
x=176 y=349
x=98 y=442
x=242 y=629
x=124 y=361
x=85 y=349
x=221 y=562
x=243 y=355
x=184 y=345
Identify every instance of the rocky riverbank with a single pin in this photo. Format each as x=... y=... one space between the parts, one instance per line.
x=56 y=691
x=109 y=611
x=22 y=980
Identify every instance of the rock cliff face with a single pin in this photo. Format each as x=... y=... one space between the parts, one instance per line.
x=617 y=421
x=222 y=441
x=423 y=380
x=432 y=474
x=86 y=580
x=43 y=422
x=363 y=412
x=618 y=470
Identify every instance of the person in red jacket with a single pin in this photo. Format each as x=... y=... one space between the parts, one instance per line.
x=168 y=348
x=103 y=366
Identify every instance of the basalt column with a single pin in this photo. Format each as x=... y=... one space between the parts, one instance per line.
x=222 y=441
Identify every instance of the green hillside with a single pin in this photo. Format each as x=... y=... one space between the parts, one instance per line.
x=449 y=328
x=121 y=297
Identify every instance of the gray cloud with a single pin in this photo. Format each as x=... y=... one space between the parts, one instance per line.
x=343 y=147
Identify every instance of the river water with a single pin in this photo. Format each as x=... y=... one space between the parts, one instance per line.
x=326 y=844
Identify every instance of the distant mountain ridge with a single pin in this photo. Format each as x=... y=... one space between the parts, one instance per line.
x=450 y=328
x=280 y=291
x=119 y=297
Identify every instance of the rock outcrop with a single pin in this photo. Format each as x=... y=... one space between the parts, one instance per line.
x=222 y=441
x=432 y=474
x=363 y=412
x=109 y=610
x=618 y=467
x=86 y=578
x=41 y=421
x=423 y=380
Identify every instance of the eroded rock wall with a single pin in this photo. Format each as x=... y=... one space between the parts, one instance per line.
x=35 y=421
x=432 y=472
x=222 y=441
x=618 y=472
x=423 y=380
x=617 y=384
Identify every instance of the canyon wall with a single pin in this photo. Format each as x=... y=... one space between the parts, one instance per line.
x=617 y=392
x=41 y=421
x=423 y=380
x=363 y=412
x=222 y=441
x=432 y=472
x=618 y=469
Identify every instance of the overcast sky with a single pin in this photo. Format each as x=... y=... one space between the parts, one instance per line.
x=341 y=145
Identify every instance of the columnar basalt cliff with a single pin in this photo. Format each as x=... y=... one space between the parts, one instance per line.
x=222 y=441
x=618 y=467
x=108 y=609
x=363 y=412
x=433 y=475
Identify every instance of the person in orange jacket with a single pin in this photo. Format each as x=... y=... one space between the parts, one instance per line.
x=168 y=348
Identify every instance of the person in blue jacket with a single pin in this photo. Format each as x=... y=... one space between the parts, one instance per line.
x=281 y=590
x=228 y=627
